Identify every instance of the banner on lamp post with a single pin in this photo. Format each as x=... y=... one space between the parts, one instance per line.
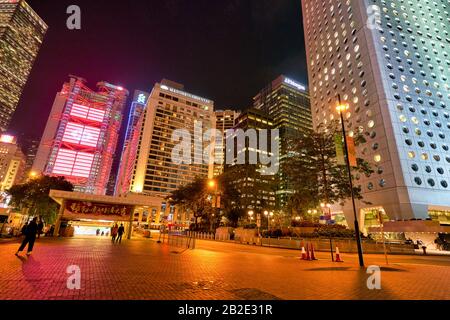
x=351 y=152
x=339 y=144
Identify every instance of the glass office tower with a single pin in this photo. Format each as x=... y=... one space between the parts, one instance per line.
x=389 y=60
x=21 y=34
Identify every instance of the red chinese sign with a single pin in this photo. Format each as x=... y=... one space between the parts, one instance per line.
x=98 y=209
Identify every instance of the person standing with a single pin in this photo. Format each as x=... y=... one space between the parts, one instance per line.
x=120 y=233
x=40 y=228
x=114 y=231
x=30 y=237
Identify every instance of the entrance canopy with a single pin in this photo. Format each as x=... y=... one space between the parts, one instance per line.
x=77 y=205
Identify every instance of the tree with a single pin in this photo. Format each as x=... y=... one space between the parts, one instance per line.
x=193 y=197
x=197 y=197
x=33 y=196
x=231 y=200
x=315 y=173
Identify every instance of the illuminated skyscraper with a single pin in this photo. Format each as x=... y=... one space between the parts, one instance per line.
x=224 y=121
x=389 y=60
x=81 y=135
x=257 y=190
x=132 y=142
x=287 y=103
x=21 y=34
x=152 y=169
x=12 y=162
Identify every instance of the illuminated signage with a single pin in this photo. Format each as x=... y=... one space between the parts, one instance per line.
x=141 y=98
x=188 y=95
x=98 y=209
x=294 y=84
x=5 y=138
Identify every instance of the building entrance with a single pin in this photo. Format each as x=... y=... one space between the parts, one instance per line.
x=88 y=215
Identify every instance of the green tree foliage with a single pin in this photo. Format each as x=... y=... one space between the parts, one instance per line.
x=231 y=200
x=197 y=198
x=33 y=196
x=315 y=173
x=193 y=197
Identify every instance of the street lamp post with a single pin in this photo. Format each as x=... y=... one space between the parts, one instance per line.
x=323 y=206
x=250 y=215
x=341 y=108
x=212 y=184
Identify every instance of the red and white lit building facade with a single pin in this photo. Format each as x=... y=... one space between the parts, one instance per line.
x=81 y=135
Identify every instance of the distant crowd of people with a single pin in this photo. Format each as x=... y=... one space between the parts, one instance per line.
x=116 y=233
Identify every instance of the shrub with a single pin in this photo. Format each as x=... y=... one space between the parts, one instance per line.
x=305 y=224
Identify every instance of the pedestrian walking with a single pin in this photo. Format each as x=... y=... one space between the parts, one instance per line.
x=30 y=237
x=114 y=231
x=120 y=233
x=40 y=228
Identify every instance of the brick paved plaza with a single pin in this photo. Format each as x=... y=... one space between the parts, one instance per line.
x=143 y=269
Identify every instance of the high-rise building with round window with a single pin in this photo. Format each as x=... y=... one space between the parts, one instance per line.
x=389 y=60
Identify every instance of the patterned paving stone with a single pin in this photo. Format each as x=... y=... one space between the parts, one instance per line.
x=145 y=270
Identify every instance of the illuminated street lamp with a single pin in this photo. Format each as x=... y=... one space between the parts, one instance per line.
x=33 y=175
x=212 y=184
x=250 y=214
x=341 y=108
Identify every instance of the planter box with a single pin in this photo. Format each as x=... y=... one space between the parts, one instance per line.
x=245 y=235
x=304 y=230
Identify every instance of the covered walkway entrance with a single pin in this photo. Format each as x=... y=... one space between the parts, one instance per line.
x=93 y=215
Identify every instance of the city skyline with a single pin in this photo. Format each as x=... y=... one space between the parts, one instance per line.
x=242 y=30
x=241 y=155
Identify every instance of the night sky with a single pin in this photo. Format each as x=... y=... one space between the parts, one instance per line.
x=224 y=50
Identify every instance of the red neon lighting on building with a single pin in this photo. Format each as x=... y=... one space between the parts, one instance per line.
x=81 y=135
x=73 y=163
x=87 y=113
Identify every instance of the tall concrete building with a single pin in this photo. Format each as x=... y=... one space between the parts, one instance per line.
x=29 y=146
x=389 y=60
x=21 y=34
x=224 y=121
x=81 y=135
x=287 y=103
x=155 y=167
x=256 y=187
x=12 y=162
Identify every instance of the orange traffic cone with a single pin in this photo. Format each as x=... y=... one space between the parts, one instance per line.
x=338 y=255
x=303 y=257
x=313 y=255
x=308 y=257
